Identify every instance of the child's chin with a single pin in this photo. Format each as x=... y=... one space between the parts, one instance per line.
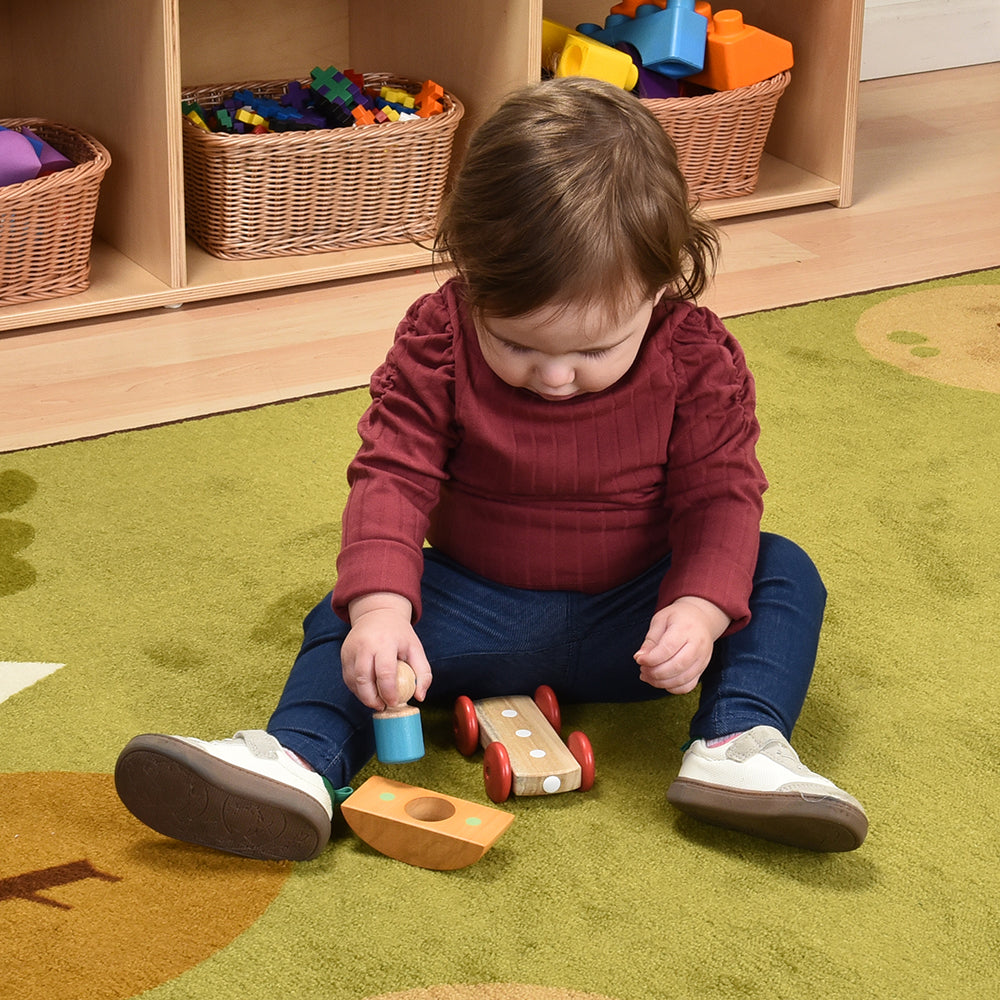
x=552 y=397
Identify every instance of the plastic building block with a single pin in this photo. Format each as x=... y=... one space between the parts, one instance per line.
x=333 y=101
x=296 y=96
x=195 y=114
x=430 y=100
x=332 y=115
x=396 y=95
x=356 y=78
x=739 y=55
x=250 y=117
x=656 y=86
x=362 y=116
x=574 y=54
x=331 y=84
x=629 y=7
x=669 y=41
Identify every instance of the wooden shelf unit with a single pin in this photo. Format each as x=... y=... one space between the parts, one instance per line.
x=115 y=68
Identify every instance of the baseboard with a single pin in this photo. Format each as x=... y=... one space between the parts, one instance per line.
x=916 y=36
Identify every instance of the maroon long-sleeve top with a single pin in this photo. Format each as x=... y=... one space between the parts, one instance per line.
x=582 y=494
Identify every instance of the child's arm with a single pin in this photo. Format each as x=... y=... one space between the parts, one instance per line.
x=714 y=481
x=381 y=634
x=679 y=643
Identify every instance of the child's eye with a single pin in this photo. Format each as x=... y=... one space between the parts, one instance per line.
x=600 y=353
x=514 y=348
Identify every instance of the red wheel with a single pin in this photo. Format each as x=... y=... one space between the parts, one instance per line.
x=465 y=726
x=580 y=748
x=497 y=775
x=548 y=703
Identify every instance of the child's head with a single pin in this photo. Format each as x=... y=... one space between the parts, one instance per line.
x=571 y=193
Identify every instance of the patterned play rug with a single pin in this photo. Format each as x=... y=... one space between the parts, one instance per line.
x=156 y=580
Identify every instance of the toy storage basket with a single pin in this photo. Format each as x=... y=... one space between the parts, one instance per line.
x=285 y=193
x=47 y=224
x=720 y=137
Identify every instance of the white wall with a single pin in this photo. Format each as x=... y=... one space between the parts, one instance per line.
x=914 y=36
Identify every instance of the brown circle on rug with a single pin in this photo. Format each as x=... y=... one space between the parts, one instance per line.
x=491 y=991
x=94 y=904
x=949 y=334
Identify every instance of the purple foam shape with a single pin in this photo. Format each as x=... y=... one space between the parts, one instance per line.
x=18 y=159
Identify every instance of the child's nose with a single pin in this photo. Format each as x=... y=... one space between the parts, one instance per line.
x=556 y=372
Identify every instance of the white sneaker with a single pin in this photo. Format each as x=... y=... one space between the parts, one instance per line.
x=245 y=795
x=756 y=783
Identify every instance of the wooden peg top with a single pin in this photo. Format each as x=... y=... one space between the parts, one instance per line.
x=406 y=684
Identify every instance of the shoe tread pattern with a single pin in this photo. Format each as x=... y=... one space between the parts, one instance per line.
x=203 y=800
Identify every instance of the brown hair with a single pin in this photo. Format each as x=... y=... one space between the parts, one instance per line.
x=571 y=192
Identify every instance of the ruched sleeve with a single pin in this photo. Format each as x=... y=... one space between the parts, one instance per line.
x=407 y=434
x=714 y=481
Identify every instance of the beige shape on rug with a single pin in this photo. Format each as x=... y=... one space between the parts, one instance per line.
x=93 y=904
x=491 y=991
x=15 y=677
x=949 y=334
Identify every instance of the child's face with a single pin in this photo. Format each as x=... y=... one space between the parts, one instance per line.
x=558 y=352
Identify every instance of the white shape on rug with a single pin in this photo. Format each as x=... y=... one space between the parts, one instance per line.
x=16 y=677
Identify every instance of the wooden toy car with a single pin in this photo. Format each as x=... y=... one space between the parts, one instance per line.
x=523 y=751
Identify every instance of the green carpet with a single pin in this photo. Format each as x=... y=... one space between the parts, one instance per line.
x=167 y=570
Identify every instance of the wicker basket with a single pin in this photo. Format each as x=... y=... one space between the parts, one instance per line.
x=720 y=137
x=47 y=224
x=287 y=193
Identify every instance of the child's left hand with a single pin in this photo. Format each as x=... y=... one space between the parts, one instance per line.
x=679 y=644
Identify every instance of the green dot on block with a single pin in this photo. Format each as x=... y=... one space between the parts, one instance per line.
x=387 y=796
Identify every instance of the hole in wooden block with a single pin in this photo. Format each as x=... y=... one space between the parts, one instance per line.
x=430 y=809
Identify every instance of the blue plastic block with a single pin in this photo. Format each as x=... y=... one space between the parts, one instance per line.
x=669 y=41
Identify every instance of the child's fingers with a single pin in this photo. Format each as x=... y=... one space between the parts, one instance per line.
x=362 y=682
x=386 y=671
x=421 y=671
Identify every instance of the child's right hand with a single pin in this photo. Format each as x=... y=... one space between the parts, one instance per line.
x=381 y=634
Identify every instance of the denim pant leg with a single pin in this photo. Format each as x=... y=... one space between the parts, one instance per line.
x=760 y=675
x=318 y=716
x=482 y=639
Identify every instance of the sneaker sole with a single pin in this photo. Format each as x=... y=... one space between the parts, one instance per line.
x=817 y=823
x=190 y=795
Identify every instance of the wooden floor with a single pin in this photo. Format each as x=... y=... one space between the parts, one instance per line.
x=926 y=204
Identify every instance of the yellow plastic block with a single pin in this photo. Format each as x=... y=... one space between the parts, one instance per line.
x=573 y=54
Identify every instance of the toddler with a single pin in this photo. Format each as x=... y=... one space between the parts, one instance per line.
x=574 y=440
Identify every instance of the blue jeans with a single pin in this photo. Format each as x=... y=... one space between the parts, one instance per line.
x=483 y=639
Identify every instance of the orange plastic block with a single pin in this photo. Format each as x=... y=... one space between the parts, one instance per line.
x=429 y=100
x=628 y=7
x=738 y=55
x=362 y=116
